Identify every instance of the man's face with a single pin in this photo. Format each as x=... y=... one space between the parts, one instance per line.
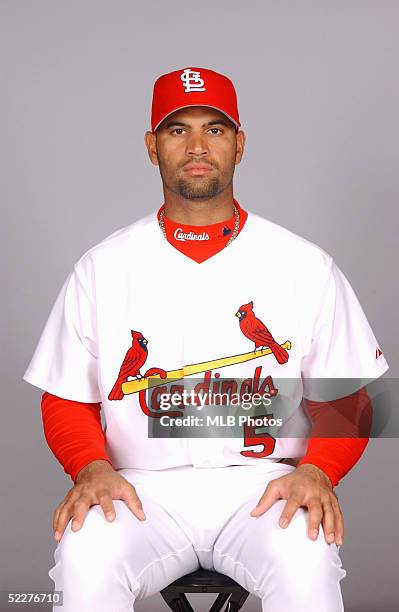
x=196 y=149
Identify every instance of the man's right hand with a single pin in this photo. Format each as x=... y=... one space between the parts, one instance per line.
x=97 y=483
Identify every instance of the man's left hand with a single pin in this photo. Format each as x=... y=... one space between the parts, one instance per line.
x=307 y=486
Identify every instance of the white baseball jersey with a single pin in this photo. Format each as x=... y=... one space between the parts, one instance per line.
x=135 y=309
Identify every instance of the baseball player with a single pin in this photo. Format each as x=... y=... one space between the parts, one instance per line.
x=206 y=292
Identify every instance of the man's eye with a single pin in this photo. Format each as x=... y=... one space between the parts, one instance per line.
x=179 y=131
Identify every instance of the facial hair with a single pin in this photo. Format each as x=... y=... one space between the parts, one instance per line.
x=198 y=190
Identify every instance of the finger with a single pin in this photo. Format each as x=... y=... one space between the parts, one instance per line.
x=63 y=519
x=67 y=500
x=56 y=521
x=292 y=505
x=108 y=507
x=315 y=516
x=130 y=497
x=339 y=522
x=271 y=495
x=79 y=512
x=328 y=522
x=56 y=515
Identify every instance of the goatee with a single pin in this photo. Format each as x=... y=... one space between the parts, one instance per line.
x=192 y=191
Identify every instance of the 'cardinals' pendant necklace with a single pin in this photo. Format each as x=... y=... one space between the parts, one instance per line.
x=232 y=237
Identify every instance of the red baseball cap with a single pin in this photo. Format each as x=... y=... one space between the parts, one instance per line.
x=193 y=87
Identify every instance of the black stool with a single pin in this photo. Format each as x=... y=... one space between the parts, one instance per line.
x=204 y=581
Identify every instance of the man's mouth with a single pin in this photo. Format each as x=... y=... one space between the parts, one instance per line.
x=197 y=169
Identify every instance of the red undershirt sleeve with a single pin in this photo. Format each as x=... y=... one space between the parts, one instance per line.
x=73 y=432
x=349 y=420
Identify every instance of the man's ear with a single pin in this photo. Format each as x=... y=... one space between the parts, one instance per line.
x=241 y=139
x=150 y=142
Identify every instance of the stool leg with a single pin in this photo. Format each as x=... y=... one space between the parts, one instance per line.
x=236 y=601
x=177 y=602
x=219 y=602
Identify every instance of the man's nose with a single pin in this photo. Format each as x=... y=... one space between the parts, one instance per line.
x=197 y=144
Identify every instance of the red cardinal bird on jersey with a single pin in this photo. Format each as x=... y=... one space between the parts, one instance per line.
x=130 y=368
x=255 y=330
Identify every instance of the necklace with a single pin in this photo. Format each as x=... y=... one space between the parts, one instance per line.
x=232 y=237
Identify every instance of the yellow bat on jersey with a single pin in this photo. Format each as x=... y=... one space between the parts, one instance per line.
x=155 y=380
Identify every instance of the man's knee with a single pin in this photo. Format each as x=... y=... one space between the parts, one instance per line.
x=98 y=541
x=124 y=554
x=300 y=565
x=89 y=562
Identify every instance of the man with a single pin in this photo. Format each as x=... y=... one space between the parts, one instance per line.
x=201 y=289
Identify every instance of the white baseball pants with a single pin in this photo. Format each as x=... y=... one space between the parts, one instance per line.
x=197 y=517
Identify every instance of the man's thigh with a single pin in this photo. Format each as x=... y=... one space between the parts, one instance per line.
x=106 y=566
x=281 y=566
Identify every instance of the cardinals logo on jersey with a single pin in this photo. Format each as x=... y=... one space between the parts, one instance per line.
x=130 y=380
x=134 y=359
x=255 y=330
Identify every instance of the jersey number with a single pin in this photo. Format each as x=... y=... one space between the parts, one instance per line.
x=252 y=438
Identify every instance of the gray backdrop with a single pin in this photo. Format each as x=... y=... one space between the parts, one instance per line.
x=318 y=96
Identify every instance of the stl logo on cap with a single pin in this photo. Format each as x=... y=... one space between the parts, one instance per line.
x=192 y=80
x=206 y=88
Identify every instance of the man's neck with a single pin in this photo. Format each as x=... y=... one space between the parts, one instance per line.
x=199 y=212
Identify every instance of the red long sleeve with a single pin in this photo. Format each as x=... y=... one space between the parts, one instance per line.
x=73 y=432
x=349 y=418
